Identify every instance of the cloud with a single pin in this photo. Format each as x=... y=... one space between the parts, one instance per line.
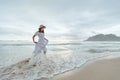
x=70 y=18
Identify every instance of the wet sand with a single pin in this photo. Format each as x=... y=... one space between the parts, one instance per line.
x=106 y=69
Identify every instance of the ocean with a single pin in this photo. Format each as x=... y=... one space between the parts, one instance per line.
x=61 y=56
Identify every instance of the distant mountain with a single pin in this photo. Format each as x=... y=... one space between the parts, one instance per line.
x=102 y=37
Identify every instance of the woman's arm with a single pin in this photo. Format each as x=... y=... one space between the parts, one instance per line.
x=34 y=39
x=46 y=39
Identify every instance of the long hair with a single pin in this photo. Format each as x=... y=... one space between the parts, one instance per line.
x=39 y=30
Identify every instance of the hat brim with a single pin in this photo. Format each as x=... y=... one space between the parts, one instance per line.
x=42 y=27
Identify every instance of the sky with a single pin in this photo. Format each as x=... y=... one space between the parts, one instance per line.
x=64 y=19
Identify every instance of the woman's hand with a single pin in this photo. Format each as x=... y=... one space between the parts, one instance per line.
x=46 y=39
x=35 y=42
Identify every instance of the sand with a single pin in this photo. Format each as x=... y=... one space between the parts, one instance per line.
x=107 y=69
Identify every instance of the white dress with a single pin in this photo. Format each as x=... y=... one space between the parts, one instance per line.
x=41 y=44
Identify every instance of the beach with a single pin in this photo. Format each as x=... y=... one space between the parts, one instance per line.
x=63 y=61
x=106 y=69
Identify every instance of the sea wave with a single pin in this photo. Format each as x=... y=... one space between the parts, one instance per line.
x=102 y=50
x=41 y=66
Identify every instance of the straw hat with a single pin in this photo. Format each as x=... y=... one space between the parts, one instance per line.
x=42 y=26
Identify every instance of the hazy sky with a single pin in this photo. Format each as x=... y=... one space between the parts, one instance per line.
x=76 y=19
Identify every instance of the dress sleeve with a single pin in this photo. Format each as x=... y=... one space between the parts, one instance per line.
x=36 y=33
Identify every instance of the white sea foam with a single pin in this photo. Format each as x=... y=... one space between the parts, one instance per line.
x=41 y=66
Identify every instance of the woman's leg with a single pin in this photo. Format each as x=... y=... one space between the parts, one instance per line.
x=44 y=50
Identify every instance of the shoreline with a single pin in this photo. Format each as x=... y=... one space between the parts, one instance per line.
x=100 y=69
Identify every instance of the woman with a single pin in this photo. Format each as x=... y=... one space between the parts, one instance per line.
x=42 y=42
